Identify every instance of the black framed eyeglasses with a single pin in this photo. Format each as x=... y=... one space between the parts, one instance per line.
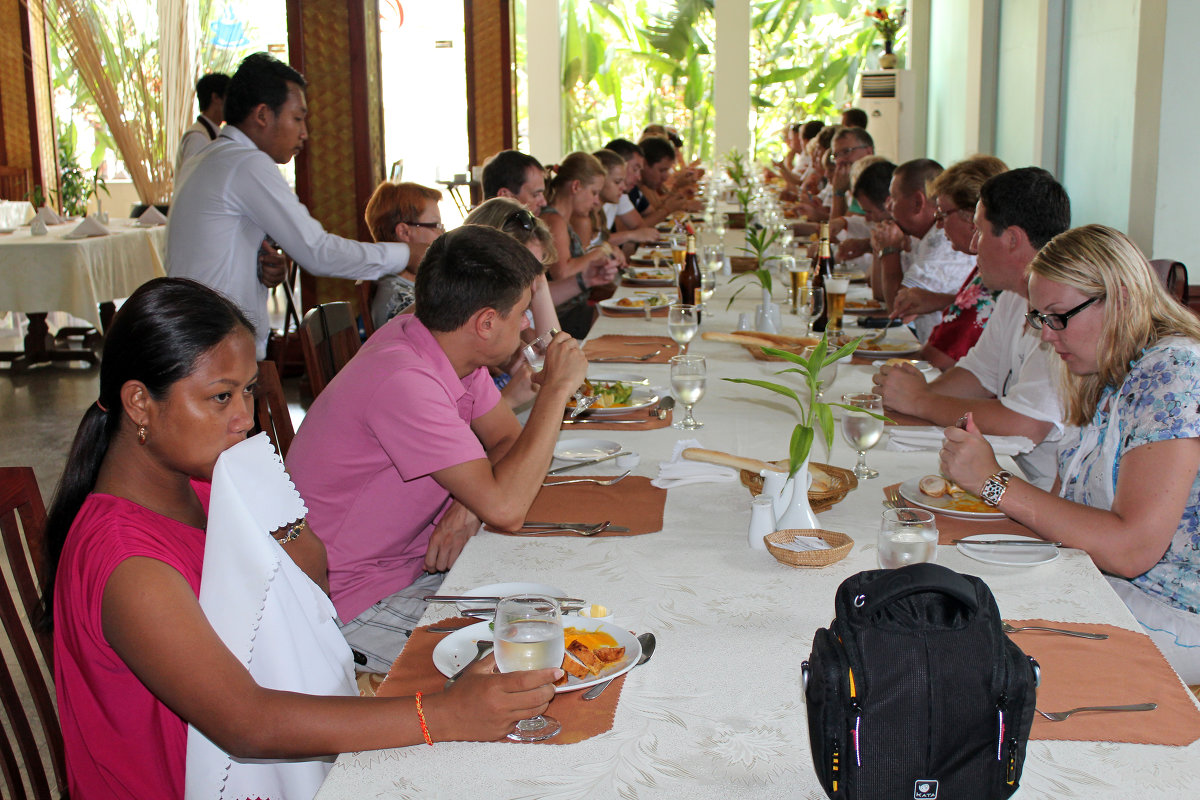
x=1056 y=322
x=845 y=151
x=521 y=218
x=433 y=226
x=941 y=216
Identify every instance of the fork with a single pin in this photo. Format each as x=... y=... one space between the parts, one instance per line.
x=646 y=357
x=1059 y=716
x=582 y=530
x=597 y=481
x=1010 y=629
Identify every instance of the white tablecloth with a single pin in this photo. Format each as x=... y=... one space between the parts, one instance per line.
x=52 y=273
x=719 y=712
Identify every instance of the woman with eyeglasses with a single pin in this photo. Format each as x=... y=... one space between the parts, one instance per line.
x=1127 y=490
x=409 y=213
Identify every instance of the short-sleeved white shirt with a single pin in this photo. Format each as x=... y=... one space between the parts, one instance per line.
x=935 y=265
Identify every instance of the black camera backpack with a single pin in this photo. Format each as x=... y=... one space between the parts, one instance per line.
x=914 y=691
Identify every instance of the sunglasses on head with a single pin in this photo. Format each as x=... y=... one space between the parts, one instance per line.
x=521 y=218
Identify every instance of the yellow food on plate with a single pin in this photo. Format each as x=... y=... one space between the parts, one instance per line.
x=608 y=394
x=956 y=497
x=588 y=653
x=639 y=302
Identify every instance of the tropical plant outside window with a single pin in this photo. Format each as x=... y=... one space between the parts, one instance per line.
x=627 y=63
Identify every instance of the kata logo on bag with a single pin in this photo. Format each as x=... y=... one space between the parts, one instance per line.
x=925 y=790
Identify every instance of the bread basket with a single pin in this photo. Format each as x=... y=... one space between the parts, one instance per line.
x=840 y=546
x=842 y=482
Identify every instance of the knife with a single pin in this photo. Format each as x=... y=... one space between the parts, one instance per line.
x=578 y=464
x=603 y=421
x=994 y=542
x=462 y=598
x=552 y=525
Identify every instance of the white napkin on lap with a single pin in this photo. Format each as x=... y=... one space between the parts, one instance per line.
x=906 y=439
x=680 y=472
x=274 y=620
x=151 y=217
x=90 y=226
x=48 y=216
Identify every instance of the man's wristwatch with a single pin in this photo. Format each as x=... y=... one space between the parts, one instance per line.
x=994 y=488
x=887 y=251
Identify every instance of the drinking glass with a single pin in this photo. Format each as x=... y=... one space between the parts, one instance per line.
x=529 y=635
x=861 y=430
x=810 y=305
x=682 y=322
x=687 y=383
x=906 y=536
x=835 y=301
x=535 y=356
x=787 y=266
x=797 y=279
x=714 y=258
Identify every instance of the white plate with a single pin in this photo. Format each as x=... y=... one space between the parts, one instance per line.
x=585 y=449
x=641 y=398
x=610 y=377
x=1018 y=556
x=650 y=277
x=504 y=590
x=866 y=311
x=903 y=349
x=458 y=648
x=910 y=490
x=611 y=306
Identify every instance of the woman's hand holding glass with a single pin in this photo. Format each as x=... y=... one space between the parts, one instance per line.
x=529 y=636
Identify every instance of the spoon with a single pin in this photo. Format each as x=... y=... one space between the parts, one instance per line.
x=646 y=640
x=483 y=647
x=665 y=405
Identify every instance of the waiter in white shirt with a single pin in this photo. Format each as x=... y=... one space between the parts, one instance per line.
x=232 y=196
x=210 y=97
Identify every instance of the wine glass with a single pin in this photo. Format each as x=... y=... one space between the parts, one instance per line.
x=535 y=356
x=528 y=636
x=810 y=305
x=861 y=430
x=682 y=322
x=906 y=536
x=787 y=265
x=687 y=384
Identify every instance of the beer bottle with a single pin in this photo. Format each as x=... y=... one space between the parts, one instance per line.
x=689 y=274
x=822 y=268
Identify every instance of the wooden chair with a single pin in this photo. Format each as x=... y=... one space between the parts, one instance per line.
x=14 y=182
x=271 y=410
x=1173 y=275
x=329 y=338
x=365 y=292
x=28 y=691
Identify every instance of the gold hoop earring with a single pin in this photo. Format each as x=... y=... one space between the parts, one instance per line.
x=141 y=434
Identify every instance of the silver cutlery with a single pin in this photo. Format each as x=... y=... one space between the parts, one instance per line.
x=664 y=406
x=642 y=344
x=483 y=647
x=582 y=530
x=646 y=640
x=1059 y=716
x=1006 y=542
x=465 y=598
x=597 y=481
x=580 y=464
x=603 y=421
x=646 y=357
x=1010 y=629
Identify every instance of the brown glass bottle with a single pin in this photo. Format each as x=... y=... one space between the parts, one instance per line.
x=822 y=268
x=689 y=274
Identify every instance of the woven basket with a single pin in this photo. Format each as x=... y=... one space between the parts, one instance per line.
x=741 y=264
x=840 y=546
x=843 y=481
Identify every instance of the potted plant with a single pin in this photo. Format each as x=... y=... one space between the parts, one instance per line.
x=739 y=173
x=887 y=26
x=767 y=316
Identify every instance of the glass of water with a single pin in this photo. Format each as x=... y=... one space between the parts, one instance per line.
x=687 y=383
x=682 y=322
x=529 y=636
x=906 y=536
x=535 y=356
x=860 y=429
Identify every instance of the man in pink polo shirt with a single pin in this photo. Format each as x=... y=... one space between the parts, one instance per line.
x=408 y=448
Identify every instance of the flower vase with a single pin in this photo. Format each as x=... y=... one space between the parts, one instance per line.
x=799 y=514
x=767 y=317
x=888 y=59
x=777 y=486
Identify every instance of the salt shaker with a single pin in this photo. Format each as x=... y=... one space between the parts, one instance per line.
x=762 y=521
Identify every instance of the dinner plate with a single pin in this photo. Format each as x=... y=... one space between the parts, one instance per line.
x=886 y=349
x=641 y=398
x=585 y=449
x=458 y=648
x=866 y=310
x=923 y=366
x=650 y=277
x=503 y=590
x=1008 y=556
x=951 y=506
x=611 y=305
x=627 y=377
x=852 y=276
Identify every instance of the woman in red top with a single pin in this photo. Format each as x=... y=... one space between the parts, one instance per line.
x=135 y=657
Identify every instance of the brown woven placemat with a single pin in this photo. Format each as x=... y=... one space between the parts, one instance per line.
x=617 y=346
x=633 y=503
x=641 y=416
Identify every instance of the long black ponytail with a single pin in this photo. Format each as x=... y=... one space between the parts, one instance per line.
x=156 y=338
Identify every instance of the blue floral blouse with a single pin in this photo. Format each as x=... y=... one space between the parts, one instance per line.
x=1159 y=401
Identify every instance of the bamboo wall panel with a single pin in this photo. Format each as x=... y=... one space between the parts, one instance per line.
x=490 y=100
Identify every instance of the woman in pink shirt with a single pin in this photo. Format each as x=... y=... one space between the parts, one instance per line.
x=135 y=658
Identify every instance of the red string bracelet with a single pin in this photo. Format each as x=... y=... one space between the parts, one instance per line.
x=421 y=716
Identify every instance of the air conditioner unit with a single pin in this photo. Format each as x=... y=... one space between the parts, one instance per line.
x=886 y=96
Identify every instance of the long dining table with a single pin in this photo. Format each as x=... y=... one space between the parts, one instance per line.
x=719 y=711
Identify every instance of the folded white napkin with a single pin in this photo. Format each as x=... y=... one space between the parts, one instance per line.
x=906 y=439
x=90 y=226
x=37 y=227
x=680 y=472
x=48 y=216
x=151 y=217
x=273 y=619
x=802 y=543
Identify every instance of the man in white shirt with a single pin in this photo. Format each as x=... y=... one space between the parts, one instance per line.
x=210 y=97
x=1005 y=379
x=913 y=250
x=232 y=196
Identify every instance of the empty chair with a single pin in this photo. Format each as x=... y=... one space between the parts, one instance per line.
x=26 y=662
x=329 y=338
x=1173 y=275
x=270 y=408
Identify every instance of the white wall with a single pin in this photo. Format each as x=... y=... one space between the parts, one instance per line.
x=1174 y=208
x=1017 y=82
x=948 y=53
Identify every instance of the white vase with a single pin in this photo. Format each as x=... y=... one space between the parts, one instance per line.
x=762 y=522
x=799 y=514
x=777 y=486
x=764 y=320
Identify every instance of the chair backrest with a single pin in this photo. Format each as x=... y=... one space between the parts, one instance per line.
x=31 y=750
x=270 y=408
x=1173 y=275
x=365 y=293
x=14 y=182
x=329 y=338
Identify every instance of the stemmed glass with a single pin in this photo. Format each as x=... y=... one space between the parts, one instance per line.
x=682 y=322
x=687 y=383
x=809 y=305
x=862 y=430
x=535 y=356
x=529 y=636
x=787 y=265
